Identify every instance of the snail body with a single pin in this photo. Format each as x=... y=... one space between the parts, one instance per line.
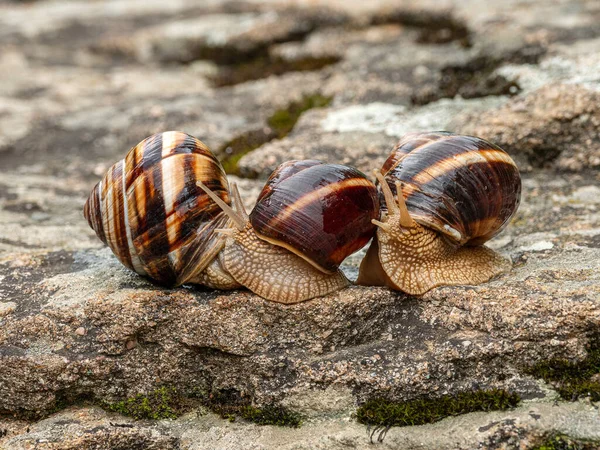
x=149 y=210
x=308 y=218
x=457 y=192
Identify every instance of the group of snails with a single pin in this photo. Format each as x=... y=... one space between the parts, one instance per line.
x=167 y=212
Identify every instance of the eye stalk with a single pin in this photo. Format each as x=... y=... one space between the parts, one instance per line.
x=239 y=217
x=395 y=207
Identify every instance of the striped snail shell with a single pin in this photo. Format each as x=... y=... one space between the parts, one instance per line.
x=457 y=193
x=308 y=218
x=462 y=186
x=322 y=212
x=149 y=210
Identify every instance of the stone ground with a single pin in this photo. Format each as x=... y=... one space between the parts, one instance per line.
x=83 y=81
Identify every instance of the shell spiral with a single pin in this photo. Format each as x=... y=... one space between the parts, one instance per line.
x=321 y=212
x=462 y=186
x=149 y=211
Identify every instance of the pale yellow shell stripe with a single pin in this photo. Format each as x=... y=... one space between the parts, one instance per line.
x=138 y=192
x=106 y=214
x=451 y=163
x=111 y=215
x=135 y=260
x=173 y=182
x=420 y=147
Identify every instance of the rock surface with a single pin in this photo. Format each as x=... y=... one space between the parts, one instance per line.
x=524 y=427
x=81 y=82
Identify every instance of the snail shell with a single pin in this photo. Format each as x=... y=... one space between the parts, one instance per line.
x=150 y=212
x=457 y=192
x=321 y=212
x=308 y=218
x=462 y=186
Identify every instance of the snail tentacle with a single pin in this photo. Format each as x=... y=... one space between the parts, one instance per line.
x=234 y=215
x=391 y=204
x=237 y=202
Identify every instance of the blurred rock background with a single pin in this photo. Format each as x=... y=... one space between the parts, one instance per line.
x=262 y=82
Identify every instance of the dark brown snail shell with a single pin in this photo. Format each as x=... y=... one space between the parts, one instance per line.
x=445 y=196
x=150 y=212
x=321 y=212
x=462 y=186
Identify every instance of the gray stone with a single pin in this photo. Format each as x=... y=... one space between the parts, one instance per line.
x=83 y=81
x=556 y=125
x=358 y=135
x=523 y=427
x=368 y=339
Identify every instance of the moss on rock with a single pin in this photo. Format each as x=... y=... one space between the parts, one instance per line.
x=230 y=405
x=572 y=380
x=383 y=413
x=563 y=442
x=280 y=123
x=163 y=403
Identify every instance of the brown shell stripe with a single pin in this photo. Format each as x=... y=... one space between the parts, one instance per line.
x=492 y=175
x=149 y=231
x=93 y=211
x=189 y=212
x=284 y=171
x=136 y=263
x=113 y=214
x=316 y=196
x=451 y=163
x=411 y=143
x=172 y=163
x=315 y=224
x=172 y=183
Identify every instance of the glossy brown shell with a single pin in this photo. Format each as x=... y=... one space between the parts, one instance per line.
x=321 y=212
x=462 y=186
x=149 y=211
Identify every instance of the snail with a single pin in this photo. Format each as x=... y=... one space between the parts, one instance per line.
x=150 y=212
x=308 y=218
x=457 y=192
x=165 y=211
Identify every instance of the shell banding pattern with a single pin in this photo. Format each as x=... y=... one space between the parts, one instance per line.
x=321 y=212
x=150 y=212
x=463 y=186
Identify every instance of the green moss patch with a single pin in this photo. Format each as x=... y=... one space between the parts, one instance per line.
x=563 y=442
x=230 y=405
x=163 y=403
x=384 y=414
x=271 y=415
x=242 y=145
x=280 y=123
x=283 y=120
x=572 y=380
